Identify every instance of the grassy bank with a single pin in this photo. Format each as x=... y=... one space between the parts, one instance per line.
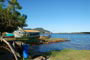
x=70 y=55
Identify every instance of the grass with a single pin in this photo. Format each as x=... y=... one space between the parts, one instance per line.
x=70 y=55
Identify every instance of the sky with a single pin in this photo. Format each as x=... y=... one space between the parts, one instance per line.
x=57 y=15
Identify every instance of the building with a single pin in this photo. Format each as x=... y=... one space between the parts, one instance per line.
x=32 y=33
x=26 y=33
x=19 y=33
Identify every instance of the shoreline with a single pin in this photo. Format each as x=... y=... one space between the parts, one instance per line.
x=52 y=40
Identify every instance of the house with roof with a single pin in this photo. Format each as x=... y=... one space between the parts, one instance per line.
x=27 y=33
x=32 y=33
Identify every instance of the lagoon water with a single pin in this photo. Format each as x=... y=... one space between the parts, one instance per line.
x=77 y=42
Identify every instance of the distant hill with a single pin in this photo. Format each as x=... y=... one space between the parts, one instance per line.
x=75 y=33
x=27 y=29
x=85 y=32
x=42 y=30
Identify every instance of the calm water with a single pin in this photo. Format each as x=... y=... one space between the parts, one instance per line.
x=77 y=42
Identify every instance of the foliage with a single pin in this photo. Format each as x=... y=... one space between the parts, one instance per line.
x=10 y=17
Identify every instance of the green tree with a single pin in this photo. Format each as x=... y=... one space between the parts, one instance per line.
x=10 y=17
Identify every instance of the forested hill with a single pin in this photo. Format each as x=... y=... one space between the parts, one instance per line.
x=85 y=32
x=75 y=33
x=42 y=30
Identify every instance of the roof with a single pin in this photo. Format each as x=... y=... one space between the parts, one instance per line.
x=31 y=31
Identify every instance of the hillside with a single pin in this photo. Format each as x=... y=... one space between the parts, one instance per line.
x=42 y=30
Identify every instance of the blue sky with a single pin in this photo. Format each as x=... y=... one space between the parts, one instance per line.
x=58 y=15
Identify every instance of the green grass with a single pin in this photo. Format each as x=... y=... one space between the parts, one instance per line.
x=70 y=55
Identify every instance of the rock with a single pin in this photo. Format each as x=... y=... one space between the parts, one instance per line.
x=40 y=58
